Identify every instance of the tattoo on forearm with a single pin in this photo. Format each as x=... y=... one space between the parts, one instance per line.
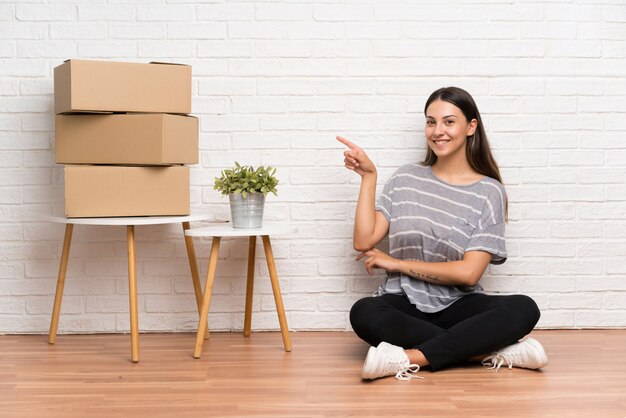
x=426 y=277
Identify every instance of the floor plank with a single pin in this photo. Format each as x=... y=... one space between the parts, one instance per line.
x=91 y=375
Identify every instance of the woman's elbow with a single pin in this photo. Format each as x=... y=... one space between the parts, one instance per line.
x=361 y=246
x=472 y=277
x=474 y=265
x=472 y=280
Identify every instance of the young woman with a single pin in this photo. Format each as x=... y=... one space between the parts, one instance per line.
x=445 y=221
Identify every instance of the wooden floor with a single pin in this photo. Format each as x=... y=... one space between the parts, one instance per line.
x=92 y=376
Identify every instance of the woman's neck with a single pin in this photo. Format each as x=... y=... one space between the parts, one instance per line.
x=455 y=170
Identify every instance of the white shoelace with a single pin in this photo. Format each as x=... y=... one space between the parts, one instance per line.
x=408 y=372
x=496 y=361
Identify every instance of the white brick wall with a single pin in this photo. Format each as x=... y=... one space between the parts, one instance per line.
x=274 y=82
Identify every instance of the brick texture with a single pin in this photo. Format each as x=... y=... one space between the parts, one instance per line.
x=273 y=83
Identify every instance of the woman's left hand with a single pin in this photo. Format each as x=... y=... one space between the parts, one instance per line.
x=376 y=259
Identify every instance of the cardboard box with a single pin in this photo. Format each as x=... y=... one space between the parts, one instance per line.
x=127 y=139
x=106 y=191
x=102 y=86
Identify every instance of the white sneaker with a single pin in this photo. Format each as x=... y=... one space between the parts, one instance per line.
x=387 y=360
x=528 y=354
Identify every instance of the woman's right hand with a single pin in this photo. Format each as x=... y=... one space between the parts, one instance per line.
x=356 y=159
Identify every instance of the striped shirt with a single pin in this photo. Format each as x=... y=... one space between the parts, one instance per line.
x=434 y=221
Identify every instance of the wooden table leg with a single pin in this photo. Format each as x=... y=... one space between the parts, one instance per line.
x=132 y=292
x=56 y=310
x=247 y=324
x=269 y=256
x=195 y=275
x=206 y=299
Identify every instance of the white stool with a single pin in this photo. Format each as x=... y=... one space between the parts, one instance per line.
x=226 y=230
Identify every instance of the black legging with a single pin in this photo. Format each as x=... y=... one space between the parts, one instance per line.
x=476 y=324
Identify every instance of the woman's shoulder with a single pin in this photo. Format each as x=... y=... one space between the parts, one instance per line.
x=415 y=169
x=408 y=173
x=492 y=184
x=493 y=190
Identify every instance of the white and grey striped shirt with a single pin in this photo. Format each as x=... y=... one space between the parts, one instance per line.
x=434 y=221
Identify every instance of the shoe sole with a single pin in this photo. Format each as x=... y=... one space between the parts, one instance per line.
x=540 y=352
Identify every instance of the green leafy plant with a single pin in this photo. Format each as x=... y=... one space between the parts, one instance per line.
x=245 y=179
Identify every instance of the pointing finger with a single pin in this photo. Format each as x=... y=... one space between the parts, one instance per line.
x=348 y=143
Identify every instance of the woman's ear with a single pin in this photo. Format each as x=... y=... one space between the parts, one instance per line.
x=471 y=128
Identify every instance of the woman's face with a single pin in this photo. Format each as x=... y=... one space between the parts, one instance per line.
x=447 y=129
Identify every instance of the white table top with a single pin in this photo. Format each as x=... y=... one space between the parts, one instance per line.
x=227 y=230
x=138 y=220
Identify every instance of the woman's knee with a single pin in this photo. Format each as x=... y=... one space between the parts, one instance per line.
x=361 y=313
x=525 y=311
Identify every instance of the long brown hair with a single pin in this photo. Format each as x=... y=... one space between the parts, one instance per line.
x=477 y=148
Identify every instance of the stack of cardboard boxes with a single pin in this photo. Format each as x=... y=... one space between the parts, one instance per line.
x=124 y=133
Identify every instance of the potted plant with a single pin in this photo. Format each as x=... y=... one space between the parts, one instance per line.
x=246 y=188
